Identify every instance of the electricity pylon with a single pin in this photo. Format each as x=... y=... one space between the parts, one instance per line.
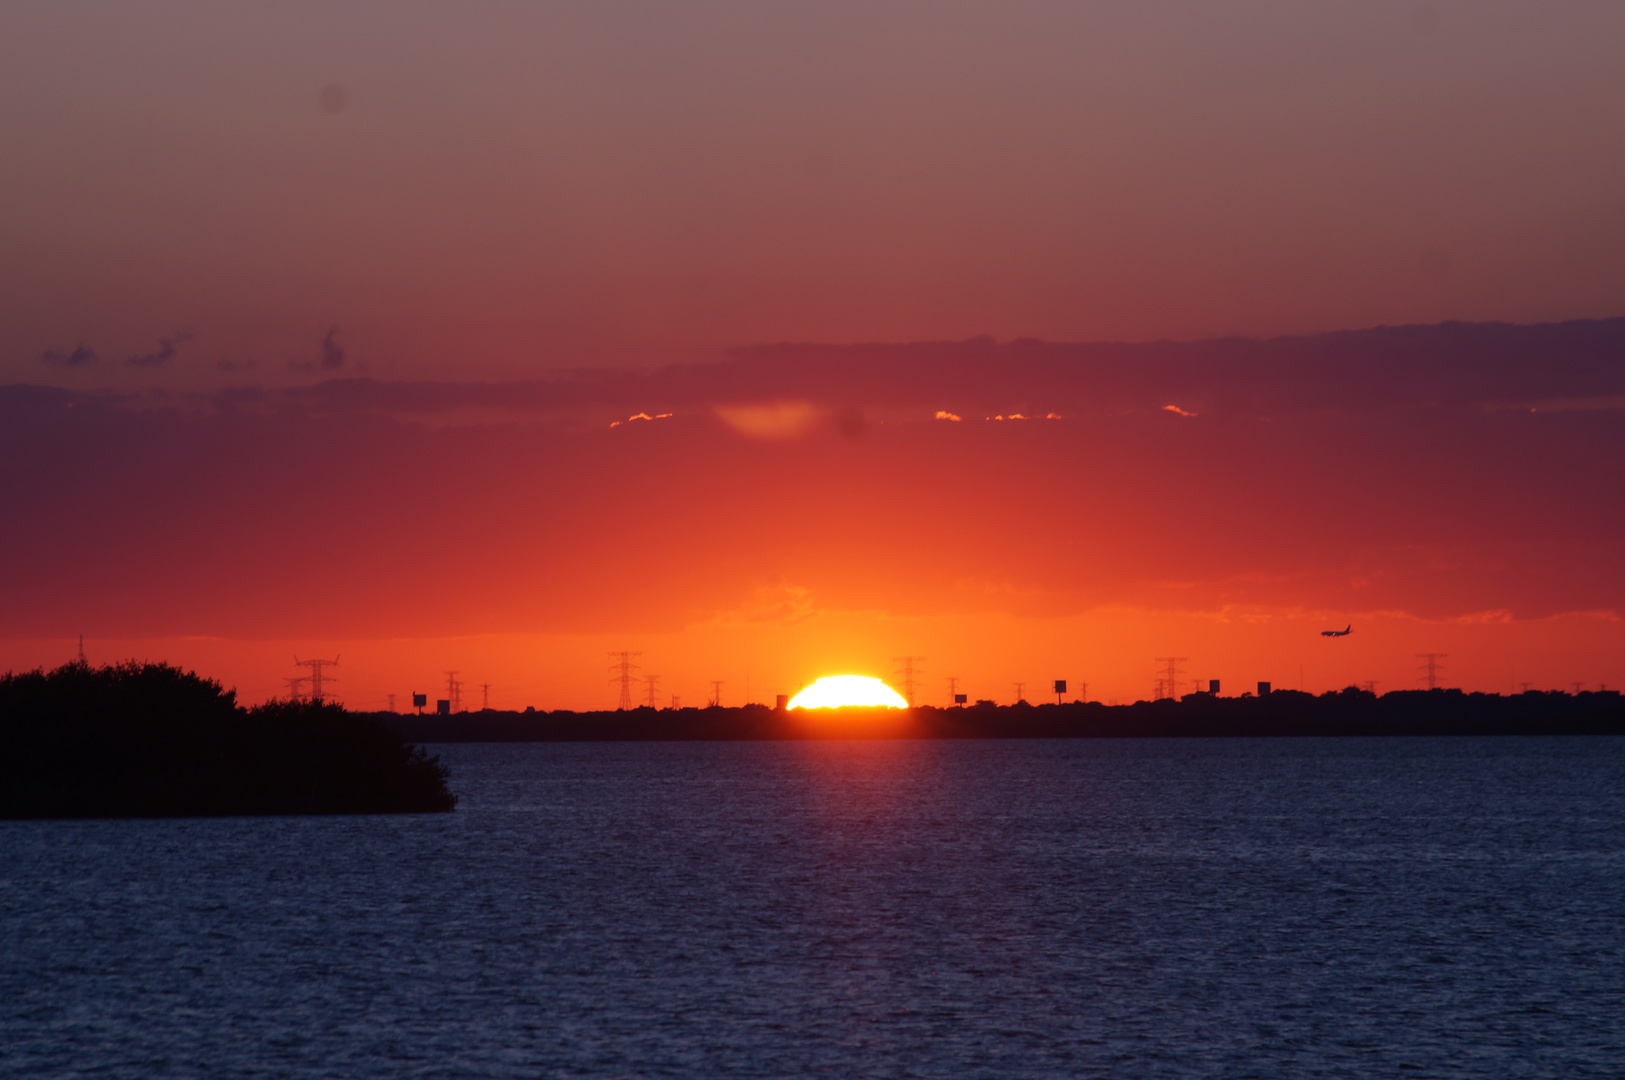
x=316 y=675
x=1430 y=667
x=651 y=680
x=907 y=673
x=624 y=667
x=1168 y=684
x=293 y=685
x=454 y=691
x=716 y=693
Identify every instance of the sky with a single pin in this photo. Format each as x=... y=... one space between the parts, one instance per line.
x=314 y=321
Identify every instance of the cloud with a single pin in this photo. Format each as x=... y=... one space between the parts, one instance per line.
x=165 y=350
x=81 y=356
x=640 y=416
x=1365 y=372
x=332 y=351
x=775 y=420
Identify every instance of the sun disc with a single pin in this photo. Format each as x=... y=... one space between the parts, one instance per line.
x=836 y=691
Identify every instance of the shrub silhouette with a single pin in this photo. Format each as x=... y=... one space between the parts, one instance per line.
x=150 y=740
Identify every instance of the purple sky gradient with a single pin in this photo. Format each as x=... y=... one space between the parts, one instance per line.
x=511 y=188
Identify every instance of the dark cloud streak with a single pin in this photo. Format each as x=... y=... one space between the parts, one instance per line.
x=81 y=356
x=1452 y=365
x=164 y=352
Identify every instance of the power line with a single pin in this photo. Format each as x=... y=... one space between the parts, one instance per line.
x=624 y=667
x=908 y=673
x=1430 y=667
x=316 y=676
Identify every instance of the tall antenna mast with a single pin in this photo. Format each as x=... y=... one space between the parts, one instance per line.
x=622 y=663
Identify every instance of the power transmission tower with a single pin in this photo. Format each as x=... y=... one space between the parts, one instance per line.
x=953 y=690
x=454 y=691
x=82 y=649
x=1083 y=692
x=293 y=685
x=716 y=693
x=651 y=680
x=1430 y=667
x=1579 y=687
x=1525 y=686
x=316 y=675
x=624 y=667
x=676 y=702
x=392 y=703
x=1168 y=684
x=907 y=673
x=1371 y=686
x=1021 y=688
x=485 y=697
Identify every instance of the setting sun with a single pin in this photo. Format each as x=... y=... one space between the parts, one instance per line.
x=834 y=691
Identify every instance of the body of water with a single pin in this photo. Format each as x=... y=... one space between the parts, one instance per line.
x=1235 y=908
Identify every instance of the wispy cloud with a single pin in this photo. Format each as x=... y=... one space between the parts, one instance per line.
x=81 y=356
x=165 y=350
x=332 y=351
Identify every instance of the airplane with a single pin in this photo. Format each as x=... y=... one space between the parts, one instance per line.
x=1345 y=632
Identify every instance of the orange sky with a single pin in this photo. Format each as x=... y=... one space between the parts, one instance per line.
x=314 y=320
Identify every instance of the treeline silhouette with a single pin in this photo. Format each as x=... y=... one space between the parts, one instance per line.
x=151 y=740
x=1283 y=713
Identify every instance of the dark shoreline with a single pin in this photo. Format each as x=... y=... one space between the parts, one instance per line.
x=1281 y=714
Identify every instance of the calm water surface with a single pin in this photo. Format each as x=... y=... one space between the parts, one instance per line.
x=1234 y=908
